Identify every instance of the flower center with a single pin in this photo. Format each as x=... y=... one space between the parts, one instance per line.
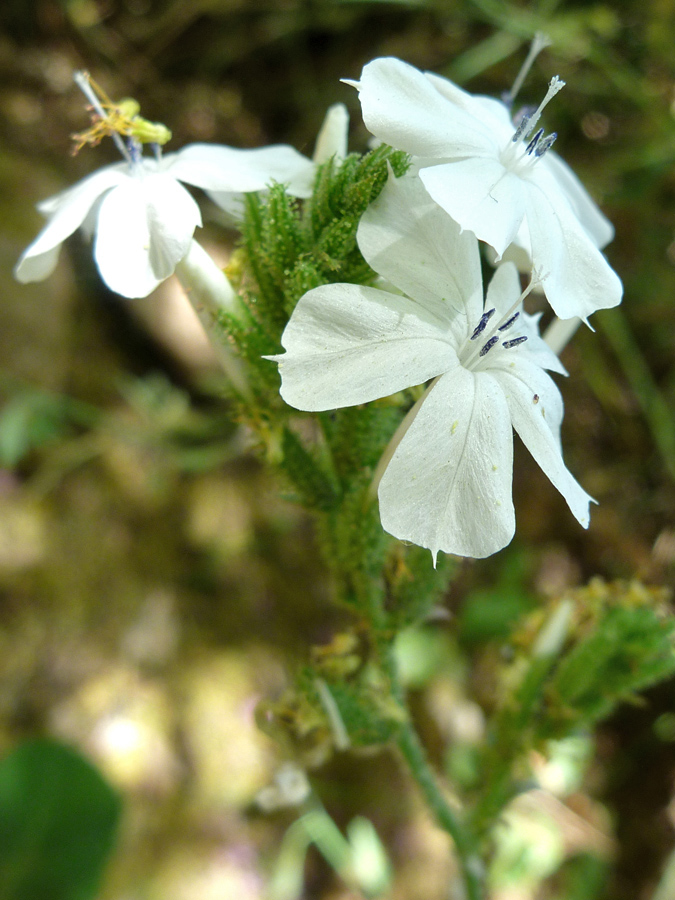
x=525 y=148
x=120 y=121
x=483 y=338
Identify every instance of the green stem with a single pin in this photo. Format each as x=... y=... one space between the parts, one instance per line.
x=410 y=746
x=448 y=819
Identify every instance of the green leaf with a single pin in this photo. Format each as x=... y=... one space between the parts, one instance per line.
x=630 y=650
x=58 y=820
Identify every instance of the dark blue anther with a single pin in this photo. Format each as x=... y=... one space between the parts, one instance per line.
x=480 y=328
x=514 y=343
x=535 y=140
x=522 y=127
x=545 y=144
x=493 y=340
x=509 y=322
x=135 y=150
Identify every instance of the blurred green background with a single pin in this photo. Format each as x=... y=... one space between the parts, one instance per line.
x=155 y=580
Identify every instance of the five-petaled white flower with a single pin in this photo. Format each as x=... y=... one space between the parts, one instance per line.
x=143 y=218
x=448 y=484
x=498 y=180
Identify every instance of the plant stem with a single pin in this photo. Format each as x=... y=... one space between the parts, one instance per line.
x=448 y=819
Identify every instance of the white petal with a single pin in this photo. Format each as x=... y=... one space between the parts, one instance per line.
x=402 y=108
x=414 y=244
x=67 y=211
x=481 y=195
x=448 y=485
x=144 y=228
x=218 y=169
x=491 y=112
x=536 y=410
x=518 y=252
x=503 y=290
x=536 y=349
x=578 y=280
x=348 y=344
x=331 y=140
x=596 y=224
x=233 y=205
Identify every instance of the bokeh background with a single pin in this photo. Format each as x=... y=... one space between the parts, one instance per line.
x=156 y=583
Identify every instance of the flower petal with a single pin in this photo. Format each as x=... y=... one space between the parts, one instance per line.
x=348 y=344
x=218 y=169
x=596 y=224
x=578 y=280
x=536 y=410
x=481 y=196
x=536 y=349
x=491 y=112
x=402 y=107
x=448 y=485
x=503 y=290
x=67 y=211
x=412 y=242
x=144 y=228
x=331 y=140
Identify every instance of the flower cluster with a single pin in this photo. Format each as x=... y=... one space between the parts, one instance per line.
x=476 y=175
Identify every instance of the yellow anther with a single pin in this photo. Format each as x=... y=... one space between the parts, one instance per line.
x=109 y=119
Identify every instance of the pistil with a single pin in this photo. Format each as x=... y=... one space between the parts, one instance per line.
x=555 y=85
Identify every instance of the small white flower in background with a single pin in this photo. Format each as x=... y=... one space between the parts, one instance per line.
x=142 y=217
x=499 y=180
x=447 y=485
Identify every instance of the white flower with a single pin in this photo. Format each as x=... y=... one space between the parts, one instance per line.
x=448 y=484
x=501 y=182
x=143 y=218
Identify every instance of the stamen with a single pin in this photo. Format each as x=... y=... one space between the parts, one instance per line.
x=514 y=343
x=135 y=150
x=535 y=140
x=469 y=358
x=520 y=130
x=510 y=322
x=545 y=144
x=539 y=43
x=82 y=80
x=490 y=344
x=480 y=328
